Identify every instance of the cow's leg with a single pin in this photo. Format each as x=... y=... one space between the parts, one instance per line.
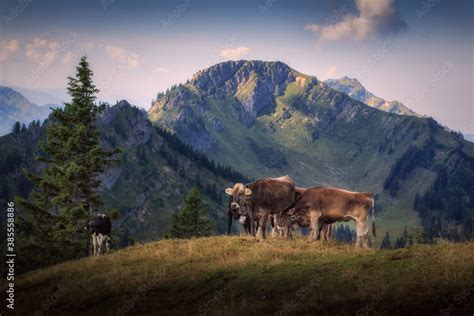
x=255 y=229
x=100 y=240
x=272 y=223
x=324 y=231
x=321 y=228
x=94 y=244
x=329 y=232
x=321 y=231
x=252 y=227
x=107 y=243
x=362 y=233
x=263 y=224
x=314 y=225
x=275 y=230
x=250 y=215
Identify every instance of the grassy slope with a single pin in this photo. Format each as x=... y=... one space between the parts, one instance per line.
x=237 y=275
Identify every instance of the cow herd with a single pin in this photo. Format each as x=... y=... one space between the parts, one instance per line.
x=279 y=201
x=285 y=205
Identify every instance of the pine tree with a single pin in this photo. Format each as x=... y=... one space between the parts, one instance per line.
x=23 y=128
x=16 y=128
x=192 y=220
x=66 y=194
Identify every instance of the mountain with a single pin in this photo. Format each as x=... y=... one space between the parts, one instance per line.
x=353 y=88
x=148 y=184
x=39 y=96
x=15 y=107
x=267 y=119
x=469 y=137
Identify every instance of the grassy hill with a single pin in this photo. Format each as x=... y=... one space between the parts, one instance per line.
x=240 y=275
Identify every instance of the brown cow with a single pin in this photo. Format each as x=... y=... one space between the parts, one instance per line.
x=326 y=231
x=235 y=215
x=263 y=197
x=319 y=206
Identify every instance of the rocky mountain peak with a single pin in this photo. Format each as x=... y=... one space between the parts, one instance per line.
x=353 y=88
x=218 y=74
x=133 y=122
x=254 y=83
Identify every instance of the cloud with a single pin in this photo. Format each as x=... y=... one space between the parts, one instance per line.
x=234 y=53
x=117 y=53
x=67 y=57
x=123 y=56
x=332 y=71
x=42 y=51
x=7 y=48
x=373 y=19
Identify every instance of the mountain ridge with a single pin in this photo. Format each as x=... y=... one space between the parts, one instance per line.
x=16 y=107
x=353 y=88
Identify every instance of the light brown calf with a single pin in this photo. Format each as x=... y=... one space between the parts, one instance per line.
x=319 y=206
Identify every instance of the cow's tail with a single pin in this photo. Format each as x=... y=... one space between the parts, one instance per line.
x=373 y=216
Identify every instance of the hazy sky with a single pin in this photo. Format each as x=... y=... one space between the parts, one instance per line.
x=417 y=52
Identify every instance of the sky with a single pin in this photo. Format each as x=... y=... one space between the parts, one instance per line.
x=419 y=52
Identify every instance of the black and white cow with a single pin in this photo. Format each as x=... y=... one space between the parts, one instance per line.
x=99 y=228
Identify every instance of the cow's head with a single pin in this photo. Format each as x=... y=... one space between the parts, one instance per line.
x=287 y=218
x=239 y=201
x=291 y=216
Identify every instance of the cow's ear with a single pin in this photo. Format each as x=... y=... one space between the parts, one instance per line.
x=248 y=192
x=229 y=191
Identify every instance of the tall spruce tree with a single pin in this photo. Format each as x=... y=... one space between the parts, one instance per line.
x=66 y=193
x=192 y=220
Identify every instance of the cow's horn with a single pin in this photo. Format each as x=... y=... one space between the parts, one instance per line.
x=229 y=191
x=248 y=191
